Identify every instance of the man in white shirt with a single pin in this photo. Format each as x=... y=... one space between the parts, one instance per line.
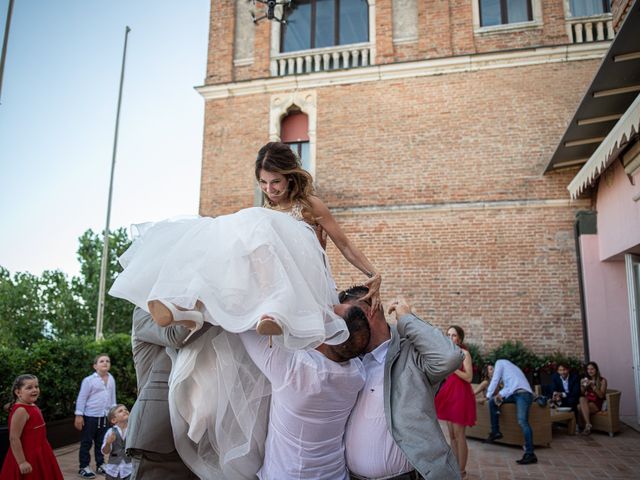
x=313 y=392
x=393 y=432
x=515 y=389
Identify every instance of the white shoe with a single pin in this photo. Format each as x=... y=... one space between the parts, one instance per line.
x=166 y=313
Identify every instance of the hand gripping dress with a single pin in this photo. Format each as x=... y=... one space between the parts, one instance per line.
x=240 y=266
x=36 y=448
x=455 y=401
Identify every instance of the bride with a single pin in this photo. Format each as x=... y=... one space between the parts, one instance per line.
x=232 y=271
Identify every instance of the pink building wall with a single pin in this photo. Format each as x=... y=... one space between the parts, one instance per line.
x=607 y=311
x=618 y=213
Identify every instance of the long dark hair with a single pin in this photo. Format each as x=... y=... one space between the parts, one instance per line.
x=460 y=333
x=597 y=378
x=277 y=157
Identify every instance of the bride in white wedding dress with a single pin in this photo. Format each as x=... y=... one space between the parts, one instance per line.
x=231 y=271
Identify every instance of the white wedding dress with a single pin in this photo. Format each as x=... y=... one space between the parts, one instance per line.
x=240 y=266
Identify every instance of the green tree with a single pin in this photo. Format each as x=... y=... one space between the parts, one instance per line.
x=117 y=312
x=21 y=318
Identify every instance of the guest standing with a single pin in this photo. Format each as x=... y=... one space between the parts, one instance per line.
x=455 y=402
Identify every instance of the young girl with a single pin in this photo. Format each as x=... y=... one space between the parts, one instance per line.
x=30 y=453
x=235 y=269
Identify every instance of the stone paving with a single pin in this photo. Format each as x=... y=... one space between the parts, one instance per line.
x=569 y=457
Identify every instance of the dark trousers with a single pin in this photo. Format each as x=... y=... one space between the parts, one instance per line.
x=92 y=432
x=523 y=400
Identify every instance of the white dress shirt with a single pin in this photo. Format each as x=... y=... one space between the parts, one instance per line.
x=311 y=399
x=371 y=450
x=512 y=379
x=565 y=386
x=118 y=470
x=95 y=397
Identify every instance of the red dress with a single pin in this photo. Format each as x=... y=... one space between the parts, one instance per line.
x=455 y=401
x=36 y=448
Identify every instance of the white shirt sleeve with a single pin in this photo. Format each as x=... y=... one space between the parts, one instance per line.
x=495 y=380
x=273 y=362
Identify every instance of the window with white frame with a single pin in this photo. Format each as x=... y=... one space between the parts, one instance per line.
x=589 y=8
x=503 y=12
x=324 y=23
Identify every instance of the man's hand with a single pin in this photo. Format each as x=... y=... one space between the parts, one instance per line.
x=400 y=307
x=78 y=422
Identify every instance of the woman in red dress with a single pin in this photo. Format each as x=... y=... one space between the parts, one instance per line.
x=455 y=402
x=30 y=456
x=593 y=390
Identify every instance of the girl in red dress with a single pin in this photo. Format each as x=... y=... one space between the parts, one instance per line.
x=455 y=402
x=30 y=456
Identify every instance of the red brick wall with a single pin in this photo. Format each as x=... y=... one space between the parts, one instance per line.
x=619 y=10
x=445 y=28
x=468 y=147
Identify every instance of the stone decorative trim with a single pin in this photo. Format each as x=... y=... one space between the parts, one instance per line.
x=306 y=101
x=421 y=68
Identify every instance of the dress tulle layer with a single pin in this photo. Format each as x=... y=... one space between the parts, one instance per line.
x=241 y=267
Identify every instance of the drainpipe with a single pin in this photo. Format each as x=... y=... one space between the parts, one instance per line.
x=585 y=224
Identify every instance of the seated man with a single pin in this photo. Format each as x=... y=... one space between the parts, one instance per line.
x=516 y=389
x=564 y=390
x=313 y=392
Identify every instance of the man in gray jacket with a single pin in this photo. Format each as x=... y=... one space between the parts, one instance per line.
x=150 y=437
x=393 y=432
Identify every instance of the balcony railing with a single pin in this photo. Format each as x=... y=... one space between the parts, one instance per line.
x=590 y=29
x=321 y=59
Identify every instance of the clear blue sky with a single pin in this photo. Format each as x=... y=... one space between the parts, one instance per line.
x=57 y=119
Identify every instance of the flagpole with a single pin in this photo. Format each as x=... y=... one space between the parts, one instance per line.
x=5 y=42
x=105 y=249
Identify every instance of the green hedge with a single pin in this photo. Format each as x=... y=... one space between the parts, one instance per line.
x=533 y=366
x=60 y=366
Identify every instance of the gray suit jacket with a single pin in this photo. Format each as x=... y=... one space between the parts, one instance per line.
x=420 y=356
x=149 y=422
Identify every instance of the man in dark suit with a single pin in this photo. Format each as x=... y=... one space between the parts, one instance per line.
x=565 y=388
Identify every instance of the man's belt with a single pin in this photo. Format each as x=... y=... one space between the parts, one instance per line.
x=412 y=475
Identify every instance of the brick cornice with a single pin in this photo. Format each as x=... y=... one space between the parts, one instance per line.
x=461 y=206
x=395 y=71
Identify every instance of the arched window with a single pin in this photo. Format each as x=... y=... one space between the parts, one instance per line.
x=324 y=23
x=294 y=131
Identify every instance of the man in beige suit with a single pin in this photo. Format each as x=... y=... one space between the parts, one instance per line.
x=150 y=437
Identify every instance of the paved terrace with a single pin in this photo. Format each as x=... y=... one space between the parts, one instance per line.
x=569 y=457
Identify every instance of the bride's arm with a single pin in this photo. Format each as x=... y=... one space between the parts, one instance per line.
x=350 y=252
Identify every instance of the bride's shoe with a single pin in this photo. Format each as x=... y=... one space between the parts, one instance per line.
x=268 y=326
x=165 y=314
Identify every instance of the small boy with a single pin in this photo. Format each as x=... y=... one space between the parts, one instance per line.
x=119 y=465
x=97 y=395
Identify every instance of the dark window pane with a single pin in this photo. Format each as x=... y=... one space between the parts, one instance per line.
x=354 y=21
x=490 y=12
x=325 y=23
x=517 y=11
x=586 y=8
x=297 y=31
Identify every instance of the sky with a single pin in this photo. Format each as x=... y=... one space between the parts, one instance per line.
x=58 y=113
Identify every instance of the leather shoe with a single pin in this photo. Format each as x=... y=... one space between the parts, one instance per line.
x=493 y=437
x=527 y=459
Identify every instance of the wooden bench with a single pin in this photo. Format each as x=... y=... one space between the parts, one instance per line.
x=539 y=419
